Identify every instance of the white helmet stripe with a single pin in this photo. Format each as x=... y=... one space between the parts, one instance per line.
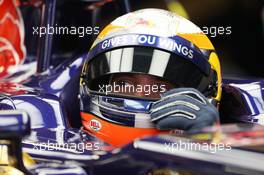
x=126 y=64
x=115 y=60
x=158 y=67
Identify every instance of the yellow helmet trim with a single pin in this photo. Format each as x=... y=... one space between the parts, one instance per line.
x=199 y=39
x=215 y=63
x=107 y=29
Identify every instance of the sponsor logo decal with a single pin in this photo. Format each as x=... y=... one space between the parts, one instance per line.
x=170 y=44
x=95 y=125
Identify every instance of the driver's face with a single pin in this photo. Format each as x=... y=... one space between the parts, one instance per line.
x=140 y=85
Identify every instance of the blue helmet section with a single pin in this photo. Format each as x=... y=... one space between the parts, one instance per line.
x=176 y=45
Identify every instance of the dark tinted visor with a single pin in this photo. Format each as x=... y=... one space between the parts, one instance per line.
x=144 y=60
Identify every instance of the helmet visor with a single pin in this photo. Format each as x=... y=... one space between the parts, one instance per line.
x=169 y=68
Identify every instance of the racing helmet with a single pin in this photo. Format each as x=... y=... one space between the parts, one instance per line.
x=152 y=43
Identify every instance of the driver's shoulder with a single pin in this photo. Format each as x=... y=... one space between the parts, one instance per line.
x=242 y=100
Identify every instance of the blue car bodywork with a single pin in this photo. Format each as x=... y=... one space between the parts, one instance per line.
x=52 y=137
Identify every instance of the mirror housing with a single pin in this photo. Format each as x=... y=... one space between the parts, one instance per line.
x=14 y=124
